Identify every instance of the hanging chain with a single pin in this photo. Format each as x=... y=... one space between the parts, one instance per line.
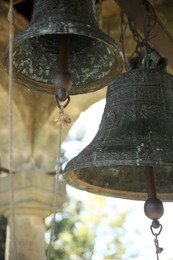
x=148 y=26
x=156 y=241
x=149 y=22
x=126 y=22
x=61 y=120
x=10 y=123
x=141 y=41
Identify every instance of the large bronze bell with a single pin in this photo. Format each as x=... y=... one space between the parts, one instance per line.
x=94 y=58
x=135 y=134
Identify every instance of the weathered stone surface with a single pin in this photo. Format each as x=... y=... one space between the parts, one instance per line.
x=33 y=193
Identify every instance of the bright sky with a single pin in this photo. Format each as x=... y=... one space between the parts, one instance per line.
x=87 y=125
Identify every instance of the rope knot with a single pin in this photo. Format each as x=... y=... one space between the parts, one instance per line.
x=63 y=119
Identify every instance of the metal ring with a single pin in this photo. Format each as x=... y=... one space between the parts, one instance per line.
x=156 y=234
x=65 y=105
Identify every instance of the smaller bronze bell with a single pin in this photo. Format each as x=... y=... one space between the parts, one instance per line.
x=136 y=132
x=93 y=57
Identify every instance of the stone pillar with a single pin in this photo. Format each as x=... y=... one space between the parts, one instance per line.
x=33 y=197
x=29 y=238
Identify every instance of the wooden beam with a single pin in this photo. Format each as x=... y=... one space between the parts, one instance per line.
x=161 y=41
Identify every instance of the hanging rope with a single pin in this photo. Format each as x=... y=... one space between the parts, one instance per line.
x=124 y=26
x=10 y=126
x=99 y=13
x=60 y=121
x=100 y=19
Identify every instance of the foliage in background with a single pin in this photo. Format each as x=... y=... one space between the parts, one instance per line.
x=88 y=230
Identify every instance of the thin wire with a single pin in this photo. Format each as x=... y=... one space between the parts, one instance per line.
x=55 y=193
x=10 y=125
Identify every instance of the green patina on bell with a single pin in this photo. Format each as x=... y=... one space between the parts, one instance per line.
x=136 y=132
x=94 y=58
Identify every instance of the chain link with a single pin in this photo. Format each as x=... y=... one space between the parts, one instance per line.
x=150 y=20
x=156 y=241
x=140 y=42
x=158 y=249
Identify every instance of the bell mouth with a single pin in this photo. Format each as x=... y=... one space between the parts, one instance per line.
x=94 y=58
x=127 y=182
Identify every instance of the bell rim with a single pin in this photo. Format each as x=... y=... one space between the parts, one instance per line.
x=72 y=179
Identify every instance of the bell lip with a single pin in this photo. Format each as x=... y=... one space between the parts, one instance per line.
x=78 y=29
x=72 y=180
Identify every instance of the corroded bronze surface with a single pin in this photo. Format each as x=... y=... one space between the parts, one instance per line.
x=136 y=131
x=94 y=58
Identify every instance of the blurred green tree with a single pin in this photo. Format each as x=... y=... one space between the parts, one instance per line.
x=86 y=229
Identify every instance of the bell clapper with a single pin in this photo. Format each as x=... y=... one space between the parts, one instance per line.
x=153 y=208
x=63 y=78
